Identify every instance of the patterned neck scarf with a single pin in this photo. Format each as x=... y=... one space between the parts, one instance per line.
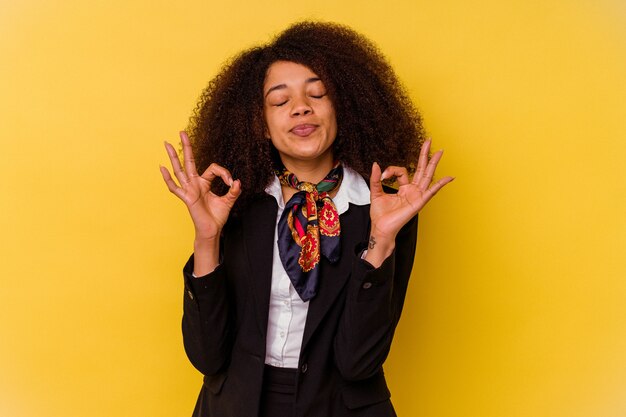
x=309 y=226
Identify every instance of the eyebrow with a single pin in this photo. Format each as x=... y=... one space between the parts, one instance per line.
x=281 y=86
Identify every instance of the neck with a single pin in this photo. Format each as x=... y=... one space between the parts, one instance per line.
x=310 y=171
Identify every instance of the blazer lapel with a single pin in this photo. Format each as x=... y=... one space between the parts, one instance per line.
x=258 y=226
x=334 y=277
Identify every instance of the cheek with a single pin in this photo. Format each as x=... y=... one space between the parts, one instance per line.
x=330 y=114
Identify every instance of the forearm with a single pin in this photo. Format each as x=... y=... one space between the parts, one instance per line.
x=206 y=320
x=206 y=255
x=374 y=301
x=366 y=326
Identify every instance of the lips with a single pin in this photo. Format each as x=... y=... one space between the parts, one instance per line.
x=303 y=130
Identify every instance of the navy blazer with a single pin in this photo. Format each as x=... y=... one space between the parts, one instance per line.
x=349 y=325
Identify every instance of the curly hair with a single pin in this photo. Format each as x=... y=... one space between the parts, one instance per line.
x=376 y=120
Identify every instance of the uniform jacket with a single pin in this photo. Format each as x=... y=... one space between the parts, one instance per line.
x=349 y=326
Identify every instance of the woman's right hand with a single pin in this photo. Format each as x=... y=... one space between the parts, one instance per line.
x=208 y=211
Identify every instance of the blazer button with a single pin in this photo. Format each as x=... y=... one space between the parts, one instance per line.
x=367 y=285
x=304 y=368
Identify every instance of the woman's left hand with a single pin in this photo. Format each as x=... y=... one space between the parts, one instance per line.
x=389 y=212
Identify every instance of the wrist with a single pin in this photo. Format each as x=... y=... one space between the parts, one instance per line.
x=206 y=241
x=206 y=255
x=379 y=248
x=382 y=238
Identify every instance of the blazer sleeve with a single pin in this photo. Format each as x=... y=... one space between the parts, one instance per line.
x=374 y=301
x=207 y=336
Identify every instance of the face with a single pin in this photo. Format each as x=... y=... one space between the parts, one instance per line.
x=299 y=115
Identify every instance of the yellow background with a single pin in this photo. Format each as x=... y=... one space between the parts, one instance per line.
x=517 y=305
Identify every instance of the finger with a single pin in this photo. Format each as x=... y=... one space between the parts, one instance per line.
x=434 y=189
x=214 y=170
x=176 y=167
x=400 y=173
x=233 y=192
x=430 y=170
x=190 y=162
x=376 y=185
x=422 y=162
x=171 y=185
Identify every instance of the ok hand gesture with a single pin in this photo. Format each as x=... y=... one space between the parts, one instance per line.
x=389 y=212
x=208 y=211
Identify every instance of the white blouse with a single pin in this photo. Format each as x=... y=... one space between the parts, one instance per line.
x=287 y=314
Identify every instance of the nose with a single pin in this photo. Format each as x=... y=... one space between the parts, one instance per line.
x=301 y=107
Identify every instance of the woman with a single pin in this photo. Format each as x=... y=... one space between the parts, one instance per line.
x=300 y=266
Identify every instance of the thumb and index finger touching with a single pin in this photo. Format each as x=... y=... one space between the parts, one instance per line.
x=234 y=186
x=423 y=176
x=377 y=177
x=184 y=176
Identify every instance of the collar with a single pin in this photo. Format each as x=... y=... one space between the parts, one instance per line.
x=352 y=190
